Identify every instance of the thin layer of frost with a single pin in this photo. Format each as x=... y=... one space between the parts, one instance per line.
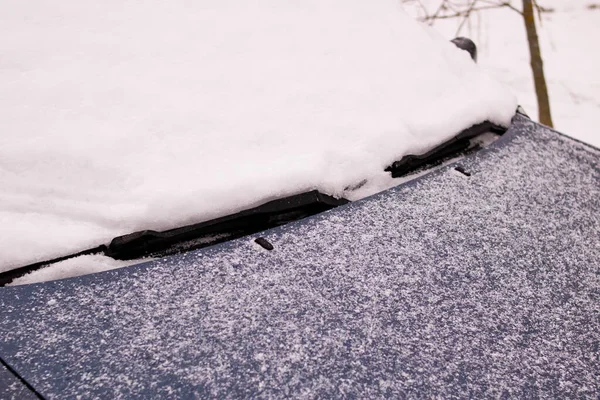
x=123 y=115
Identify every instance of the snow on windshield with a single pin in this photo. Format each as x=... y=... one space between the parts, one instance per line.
x=119 y=115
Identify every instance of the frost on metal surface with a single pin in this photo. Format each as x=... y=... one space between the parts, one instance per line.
x=469 y=286
x=11 y=388
x=122 y=116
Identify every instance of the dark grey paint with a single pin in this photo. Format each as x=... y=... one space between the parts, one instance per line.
x=11 y=388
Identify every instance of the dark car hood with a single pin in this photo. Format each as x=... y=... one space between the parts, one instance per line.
x=477 y=283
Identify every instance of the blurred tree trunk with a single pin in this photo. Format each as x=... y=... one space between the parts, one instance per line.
x=537 y=65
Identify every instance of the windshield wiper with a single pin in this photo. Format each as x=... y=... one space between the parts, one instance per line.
x=460 y=145
x=269 y=215
x=150 y=243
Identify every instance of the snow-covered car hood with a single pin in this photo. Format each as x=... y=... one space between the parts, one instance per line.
x=119 y=116
x=480 y=284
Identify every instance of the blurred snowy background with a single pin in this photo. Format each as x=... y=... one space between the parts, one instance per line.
x=570 y=47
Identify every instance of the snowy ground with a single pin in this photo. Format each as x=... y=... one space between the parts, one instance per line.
x=119 y=116
x=570 y=43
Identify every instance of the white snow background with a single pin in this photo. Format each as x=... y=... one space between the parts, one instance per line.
x=570 y=43
x=118 y=116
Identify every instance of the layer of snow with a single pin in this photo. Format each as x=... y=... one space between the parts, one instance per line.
x=123 y=115
x=570 y=49
x=77 y=266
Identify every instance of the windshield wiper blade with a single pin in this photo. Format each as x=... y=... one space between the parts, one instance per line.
x=150 y=243
x=458 y=145
x=274 y=213
x=7 y=277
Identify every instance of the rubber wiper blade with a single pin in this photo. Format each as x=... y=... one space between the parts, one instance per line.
x=455 y=146
x=7 y=277
x=274 y=213
x=148 y=243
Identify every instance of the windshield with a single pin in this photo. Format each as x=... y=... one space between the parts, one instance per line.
x=125 y=116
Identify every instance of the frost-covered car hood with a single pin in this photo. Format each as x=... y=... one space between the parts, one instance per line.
x=119 y=116
x=479 y=284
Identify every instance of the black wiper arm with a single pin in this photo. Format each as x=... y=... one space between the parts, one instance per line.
x=455 y=146
x=150 y=243
x=269 y=215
